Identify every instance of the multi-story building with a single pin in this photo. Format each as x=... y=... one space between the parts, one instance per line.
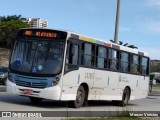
x=36 y=22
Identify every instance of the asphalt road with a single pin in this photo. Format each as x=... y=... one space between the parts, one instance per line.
x=51 y=108
x=23 y=104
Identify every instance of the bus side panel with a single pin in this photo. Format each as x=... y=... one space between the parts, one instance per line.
x=138 y=85
x=103 y=85
x=73 y=79
x=107 y=83
x=69 y=85
x=144 y=83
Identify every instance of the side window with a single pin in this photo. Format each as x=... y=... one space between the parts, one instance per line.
x=144 y=66
x=113 y=59
x=101 y=59
x=135 y=64
x=87 y=57
x=72 y=56
x=124 y=65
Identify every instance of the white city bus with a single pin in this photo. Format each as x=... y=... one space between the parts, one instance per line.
x=65 y=66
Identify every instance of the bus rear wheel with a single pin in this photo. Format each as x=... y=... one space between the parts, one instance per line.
x=35 y=100
x=125 y=98
x=80 y=98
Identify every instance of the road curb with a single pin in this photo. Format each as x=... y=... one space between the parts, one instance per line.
x=154 y=93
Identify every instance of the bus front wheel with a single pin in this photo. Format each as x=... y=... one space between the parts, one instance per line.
x=80 y=98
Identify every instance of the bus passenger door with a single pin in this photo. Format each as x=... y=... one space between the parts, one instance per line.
x=71 y=72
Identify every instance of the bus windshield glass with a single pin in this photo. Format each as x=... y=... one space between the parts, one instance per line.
x=37 y=56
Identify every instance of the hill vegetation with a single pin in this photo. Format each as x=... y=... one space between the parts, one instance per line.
x=155 y=66
x=9 y=26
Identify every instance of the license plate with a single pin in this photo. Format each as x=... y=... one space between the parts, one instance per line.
x=27 y=91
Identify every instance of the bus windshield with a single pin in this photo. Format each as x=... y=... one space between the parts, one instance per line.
x=37 y=56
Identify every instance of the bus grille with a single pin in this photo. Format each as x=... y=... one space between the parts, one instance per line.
x=31 y=84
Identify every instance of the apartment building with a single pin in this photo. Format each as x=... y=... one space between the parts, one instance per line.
x=36 y=22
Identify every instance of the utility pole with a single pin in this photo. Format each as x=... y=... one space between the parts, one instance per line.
x=117 y=22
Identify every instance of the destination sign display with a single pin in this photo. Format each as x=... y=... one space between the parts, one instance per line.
x=42 y=33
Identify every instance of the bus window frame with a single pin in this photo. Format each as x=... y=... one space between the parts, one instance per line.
x=128 y=62
x=118 y=52
x=76 y=67
x=105 y=58
x=92 y=64
x=147 y=67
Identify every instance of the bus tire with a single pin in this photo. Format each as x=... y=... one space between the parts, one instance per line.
x=125 y=98
x=35 y=100
x=80 y=98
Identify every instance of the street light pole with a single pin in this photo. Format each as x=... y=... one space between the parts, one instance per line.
x=117 y=22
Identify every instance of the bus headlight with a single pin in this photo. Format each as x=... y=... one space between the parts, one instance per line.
x=2 y=75
x=56 y=80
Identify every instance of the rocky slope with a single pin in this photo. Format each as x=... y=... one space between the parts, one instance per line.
x=4 y=56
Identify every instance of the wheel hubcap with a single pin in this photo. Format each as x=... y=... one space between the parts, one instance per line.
x=79 y=96
x=125 y=98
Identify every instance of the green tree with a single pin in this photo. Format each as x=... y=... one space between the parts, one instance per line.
x=8 y=18
x=8 y=30
x=126 y=44
x=155 y=66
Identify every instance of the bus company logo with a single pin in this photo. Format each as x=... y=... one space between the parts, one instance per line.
x=6 y=114
x=123 y=79
x=89 y=75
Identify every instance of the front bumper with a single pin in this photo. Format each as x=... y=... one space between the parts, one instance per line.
x=53 y=93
